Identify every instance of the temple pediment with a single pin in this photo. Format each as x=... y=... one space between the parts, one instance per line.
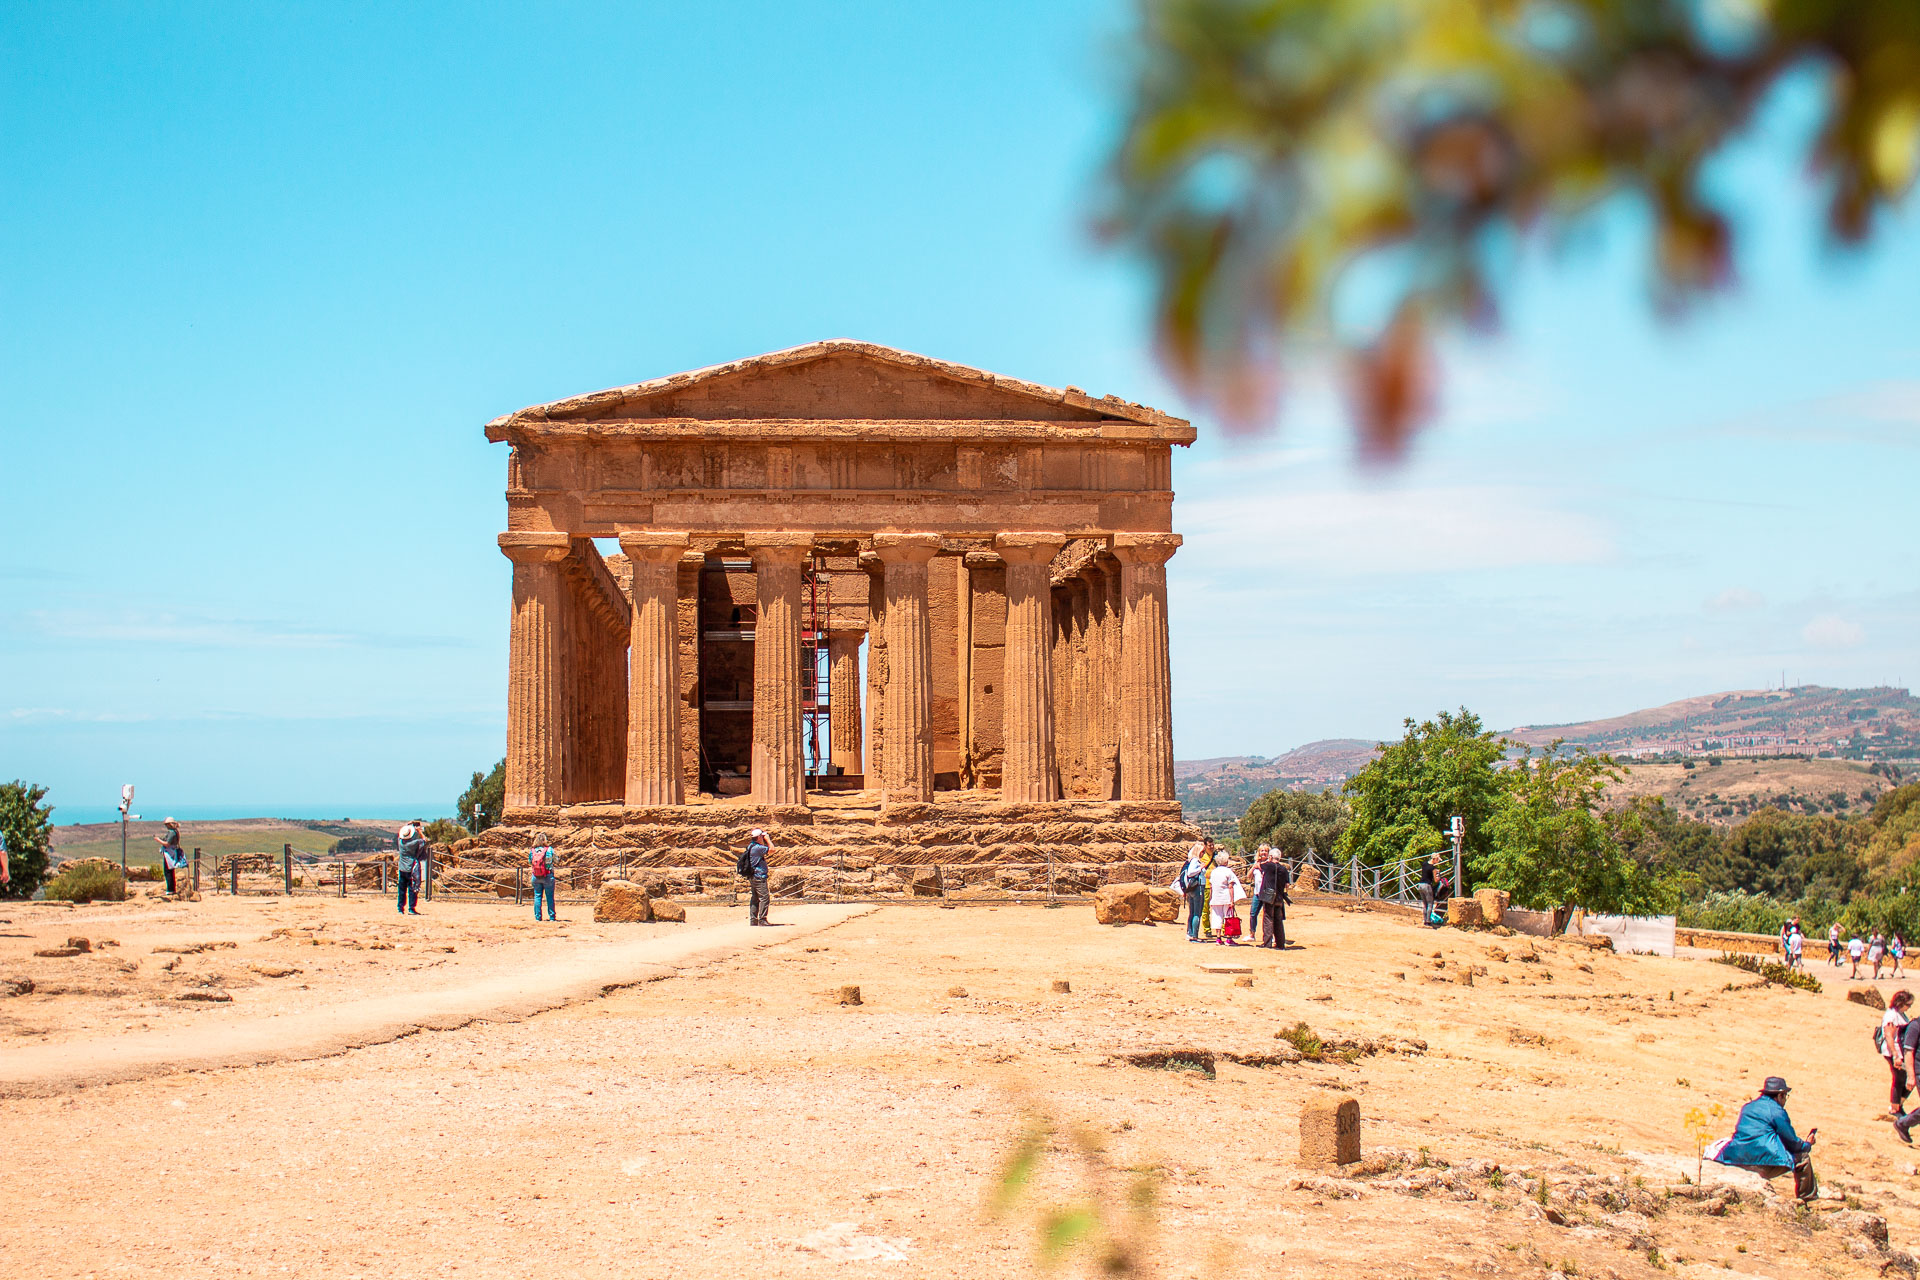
x=838 y=379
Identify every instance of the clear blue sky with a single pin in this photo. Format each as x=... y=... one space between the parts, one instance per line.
x=265 y=272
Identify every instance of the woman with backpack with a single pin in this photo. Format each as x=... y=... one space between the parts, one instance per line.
x=540 y=865
x=1887 y=1041
x=1190 y=882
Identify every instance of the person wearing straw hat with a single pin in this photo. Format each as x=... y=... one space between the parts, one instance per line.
x=171 y=857
x=409 y=865
x=753 y=865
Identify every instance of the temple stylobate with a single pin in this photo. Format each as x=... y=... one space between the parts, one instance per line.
x=841 y=580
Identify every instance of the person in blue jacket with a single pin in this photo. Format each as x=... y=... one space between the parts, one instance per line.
x=1764 y=1140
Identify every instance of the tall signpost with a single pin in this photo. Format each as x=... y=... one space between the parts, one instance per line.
x=1457 y=828
x=126 y=803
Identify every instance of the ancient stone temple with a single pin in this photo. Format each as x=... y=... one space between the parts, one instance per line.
x=904 y=614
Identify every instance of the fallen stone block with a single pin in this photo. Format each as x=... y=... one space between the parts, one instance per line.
x=848 y=995
x=57 y=953
x=1062 y=986
x=622 y=902
x=1163 y=905
x=1493 y=905
x=1463 y=913
x=1243 y=982
x=16 y=987
x=667 y=912
x=205 y=997
x=274 y=970
x=79 y=944
x=1330 y=1131
x=958 y=993
x=1868 y=996
x=1121 y=904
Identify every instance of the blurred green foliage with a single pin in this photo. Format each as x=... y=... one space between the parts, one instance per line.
x=1278 y=151
x=26 y=824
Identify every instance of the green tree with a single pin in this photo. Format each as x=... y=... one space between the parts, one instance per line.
x=1401 y=802
x=1555 y=843
x=1295 y=821
x=27 y=826
x=1276 y=150
x=489 y=792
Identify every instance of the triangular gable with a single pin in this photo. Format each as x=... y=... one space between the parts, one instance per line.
x=838 y=379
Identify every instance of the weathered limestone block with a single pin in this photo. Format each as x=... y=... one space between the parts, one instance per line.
x=1463 y=913
x=1330 y=1131
x=622 y=902
x=1493 y=905
x=1868 y=996
x=667 y=912
x=1163 y=905
x=1121 y=904
x=1306 y=880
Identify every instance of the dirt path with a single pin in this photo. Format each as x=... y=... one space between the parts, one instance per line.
x=734 y=1119
x=502 y=995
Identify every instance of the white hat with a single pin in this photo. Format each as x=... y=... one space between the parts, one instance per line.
x=168 y=822
x=756 y=832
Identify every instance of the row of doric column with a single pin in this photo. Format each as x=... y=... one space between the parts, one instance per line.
x=1086 y=703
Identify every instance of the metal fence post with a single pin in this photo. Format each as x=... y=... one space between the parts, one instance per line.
x=286 y=868
x=343 y=877
x=196 y=868
x=233 y=871
x=516 y=886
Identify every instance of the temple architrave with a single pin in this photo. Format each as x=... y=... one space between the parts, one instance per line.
x=909 y=616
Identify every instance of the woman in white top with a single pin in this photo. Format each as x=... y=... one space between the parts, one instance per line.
x=1227 y=893
x=1891 y=1024
x=1876 y=953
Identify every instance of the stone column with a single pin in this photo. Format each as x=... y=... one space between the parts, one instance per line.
x=536 y=670
x=1146 y=687
x=909 y=691
x=1027 y=771
x=653 y=679
x=876 y=717
x=843 y=699
x=779 y=763
x=1105 y=688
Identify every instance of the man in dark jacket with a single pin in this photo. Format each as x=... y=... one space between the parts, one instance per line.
x=1276 y=877
x=1764 y=1140
x=754 y=864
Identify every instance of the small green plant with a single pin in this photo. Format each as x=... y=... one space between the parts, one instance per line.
x=1540 y=1192
x=1771 y=971
x=1497 y=1179
x=1684 y=1083
x=1654 y=1259
x=87 y=882
x=1426 y=1158
x=1302 y=1038
x=1116 y=1233
x=1701 y=1126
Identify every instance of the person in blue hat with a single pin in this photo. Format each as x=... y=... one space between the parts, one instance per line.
x=1764 y=1141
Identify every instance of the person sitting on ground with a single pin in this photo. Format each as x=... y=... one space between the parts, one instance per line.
x=541 y=861
x=1226 y=893
x=1855 y=949
x=1764 y=1141
x=171 y=856
x=1892 y=1023
x=1191 y=883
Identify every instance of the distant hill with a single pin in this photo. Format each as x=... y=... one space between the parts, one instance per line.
x=1830 y=736
x=1844 y=724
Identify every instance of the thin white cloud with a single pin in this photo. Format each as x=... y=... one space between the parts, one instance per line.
x=1370 y=531
x=1831 y=631
x=1736 y=600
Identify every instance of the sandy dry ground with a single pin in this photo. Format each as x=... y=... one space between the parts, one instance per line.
x=735 y=1119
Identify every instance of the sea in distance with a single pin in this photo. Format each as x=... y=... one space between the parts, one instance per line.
x=68 y=815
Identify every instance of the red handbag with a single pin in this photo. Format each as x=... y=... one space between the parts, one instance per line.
x=1230 y=927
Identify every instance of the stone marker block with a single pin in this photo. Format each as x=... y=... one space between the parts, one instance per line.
x=1463 y=913
x=1330 y=1131
x=848 y=995
x=1868 y=996
x=1493 y=905
x=79 y=944
x=1243 y=982
x=958 y=993
x=667 y=912
x=1062 y=985
x=1226 y=967
x=622 y=902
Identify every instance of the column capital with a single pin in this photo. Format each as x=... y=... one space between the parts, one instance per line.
x=906 y=548
x=1145 y=548
x=1028 y=548
x=984 y=560
x=653 y=545
x=525 y=547
x=779 y=548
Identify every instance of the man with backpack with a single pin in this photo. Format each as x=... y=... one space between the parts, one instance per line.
x=540 y=865
x=410 y=864
x=753 y=865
